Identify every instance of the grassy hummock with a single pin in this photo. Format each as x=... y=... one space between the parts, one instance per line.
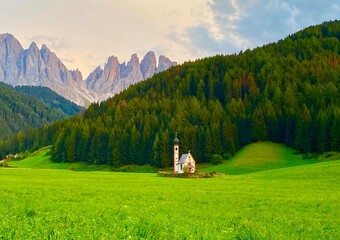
x=260 y=157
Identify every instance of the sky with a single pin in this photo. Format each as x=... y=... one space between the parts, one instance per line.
x=84 y=33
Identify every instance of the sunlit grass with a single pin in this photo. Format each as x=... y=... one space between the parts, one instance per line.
x=291 y=203
x=39 y=159
x=259 y=157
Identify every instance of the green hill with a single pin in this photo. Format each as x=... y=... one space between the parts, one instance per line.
x=41 y=159
x=51 y=98
x=19 y=112
x=259 y=157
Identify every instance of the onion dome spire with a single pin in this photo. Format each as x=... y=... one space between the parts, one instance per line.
x=176 y=140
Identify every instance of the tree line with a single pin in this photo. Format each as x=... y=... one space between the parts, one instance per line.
x=286 y=92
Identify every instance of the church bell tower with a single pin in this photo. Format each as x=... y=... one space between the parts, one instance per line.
x=176 y=153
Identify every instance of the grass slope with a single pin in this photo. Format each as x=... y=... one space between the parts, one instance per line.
x=291 y=203
x=259 y=157
x=41 y=159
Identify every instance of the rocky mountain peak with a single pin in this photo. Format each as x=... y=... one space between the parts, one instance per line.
x=134 y=61
x=10 y=55
x=117 y=77
x=33 y=47
x=9 y=44
x=112 y=62
x=5 y=35
x=9 y=39
x=76 y=75
x=148 y=65
x=164 y=63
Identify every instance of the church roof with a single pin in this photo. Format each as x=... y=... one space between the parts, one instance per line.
x=183 y=157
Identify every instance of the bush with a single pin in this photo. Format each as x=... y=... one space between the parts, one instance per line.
x=226 y=156
x=23 y=155
x=216 y=159
x=4 y=163
x=309 y=156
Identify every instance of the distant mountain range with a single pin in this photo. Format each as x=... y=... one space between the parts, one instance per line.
x=41 y=67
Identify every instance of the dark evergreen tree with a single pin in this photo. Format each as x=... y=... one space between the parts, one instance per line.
x=259 y=128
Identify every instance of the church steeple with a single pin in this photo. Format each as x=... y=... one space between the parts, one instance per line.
x=176 y=153
x=176 y=140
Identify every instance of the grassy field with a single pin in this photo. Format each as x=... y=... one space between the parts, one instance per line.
x=290 y=203
x=259 y=157
x=43 y=200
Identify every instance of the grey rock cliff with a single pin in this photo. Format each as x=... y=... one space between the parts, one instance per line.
x=10 y=59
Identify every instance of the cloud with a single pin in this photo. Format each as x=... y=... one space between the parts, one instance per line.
x=229 y=26
x=203 y=41
x=68 y=60
x=55 y=43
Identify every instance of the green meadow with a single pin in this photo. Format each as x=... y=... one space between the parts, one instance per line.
x=294 y=202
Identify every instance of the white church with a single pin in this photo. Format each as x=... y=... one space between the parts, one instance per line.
x=186 y=161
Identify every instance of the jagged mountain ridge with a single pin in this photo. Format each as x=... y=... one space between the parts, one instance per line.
x=42 y=67
x=116 y=77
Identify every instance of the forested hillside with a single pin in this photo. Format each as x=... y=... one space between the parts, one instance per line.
x=285 y=92
x=18 y=112
x=51 y=98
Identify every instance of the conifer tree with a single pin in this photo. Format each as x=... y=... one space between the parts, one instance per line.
x=259 y=128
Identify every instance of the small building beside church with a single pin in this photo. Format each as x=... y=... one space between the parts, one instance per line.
x=186 y=163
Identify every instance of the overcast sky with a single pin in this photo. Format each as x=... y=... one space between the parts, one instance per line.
x=84 y=33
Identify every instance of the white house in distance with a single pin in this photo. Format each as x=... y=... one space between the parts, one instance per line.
x=186 y=160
